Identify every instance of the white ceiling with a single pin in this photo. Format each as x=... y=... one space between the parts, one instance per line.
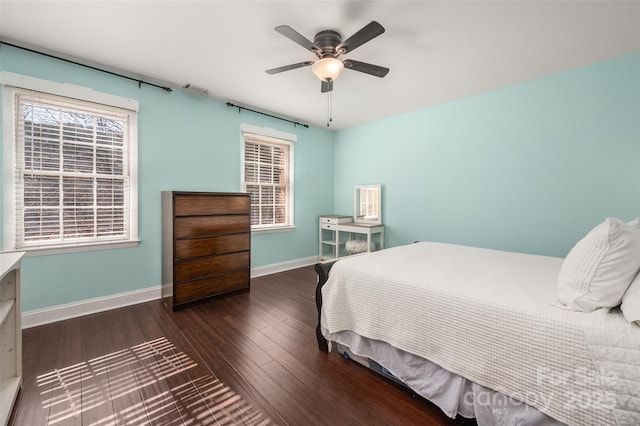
x=437 y=51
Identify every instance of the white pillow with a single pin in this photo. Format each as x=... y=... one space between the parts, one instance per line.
x=599 y=268
x=631 y=302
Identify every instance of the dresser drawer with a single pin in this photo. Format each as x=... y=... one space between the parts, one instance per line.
x=196 y=247
x=199 y=289
x=200 y=226
x=334 y=220
x=330 y=226
x=199 y=205
x=186 y=270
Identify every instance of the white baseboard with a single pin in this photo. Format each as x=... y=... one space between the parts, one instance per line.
x=282 y=266
x=92 y=306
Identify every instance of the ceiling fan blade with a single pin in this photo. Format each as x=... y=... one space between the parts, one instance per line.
x=376 y=70
x=289 y=67
x=327 y=86
x=372 y=30
x=296 y=37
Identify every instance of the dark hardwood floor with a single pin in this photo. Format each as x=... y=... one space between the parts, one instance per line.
x=247 y=358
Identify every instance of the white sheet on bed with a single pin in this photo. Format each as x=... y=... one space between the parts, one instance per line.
x=487 y=315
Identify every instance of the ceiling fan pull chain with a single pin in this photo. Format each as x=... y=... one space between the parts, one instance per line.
x=329 y=108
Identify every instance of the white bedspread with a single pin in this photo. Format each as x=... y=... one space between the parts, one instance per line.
x=487 y=315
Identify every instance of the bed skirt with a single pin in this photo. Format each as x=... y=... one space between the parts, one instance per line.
x=453 y=394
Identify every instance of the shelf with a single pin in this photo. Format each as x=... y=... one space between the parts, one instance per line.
x=5 y=309
x=8 y=393
x=10 y=333
x=9 y=262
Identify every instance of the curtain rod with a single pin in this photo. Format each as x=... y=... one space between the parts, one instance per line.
x=240 y=108
x=139 y=81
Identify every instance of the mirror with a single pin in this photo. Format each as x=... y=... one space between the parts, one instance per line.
x=366 y=204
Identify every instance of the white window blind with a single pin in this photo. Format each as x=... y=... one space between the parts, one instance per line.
x=72 y=171
x=268 y=178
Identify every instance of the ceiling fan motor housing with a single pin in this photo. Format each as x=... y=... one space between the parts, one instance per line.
x=327 y=41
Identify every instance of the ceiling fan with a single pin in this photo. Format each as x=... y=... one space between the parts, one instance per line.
x=327 y=45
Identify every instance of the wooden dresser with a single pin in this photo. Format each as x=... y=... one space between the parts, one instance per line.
x=206 y=242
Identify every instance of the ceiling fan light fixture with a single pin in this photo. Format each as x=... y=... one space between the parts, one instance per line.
x=327 y=68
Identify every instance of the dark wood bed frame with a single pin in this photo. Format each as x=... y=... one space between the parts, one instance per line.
x=322 y=269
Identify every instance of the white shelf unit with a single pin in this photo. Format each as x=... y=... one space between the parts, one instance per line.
x=335 y=231
x=10 y=333
x=330 y=242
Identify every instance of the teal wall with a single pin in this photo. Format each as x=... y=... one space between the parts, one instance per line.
x=529 y=168
x=185 y=143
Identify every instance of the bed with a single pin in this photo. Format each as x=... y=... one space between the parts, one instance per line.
x=479 y=332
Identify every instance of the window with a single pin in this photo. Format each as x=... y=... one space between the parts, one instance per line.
x=267 y=176
x=74 y=178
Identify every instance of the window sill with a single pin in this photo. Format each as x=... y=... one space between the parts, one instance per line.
x=273 y=230
x=77 y=248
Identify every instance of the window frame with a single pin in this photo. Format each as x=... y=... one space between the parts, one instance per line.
x=11 y=84
x=273 y=137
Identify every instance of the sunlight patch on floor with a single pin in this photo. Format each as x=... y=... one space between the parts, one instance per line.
x=148 y=384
